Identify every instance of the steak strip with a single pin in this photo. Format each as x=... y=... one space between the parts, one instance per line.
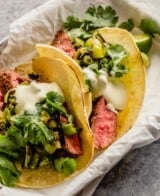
x=103 y=124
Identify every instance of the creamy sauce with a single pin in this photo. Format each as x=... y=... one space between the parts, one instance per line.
x=115 y=93
x=28 y=95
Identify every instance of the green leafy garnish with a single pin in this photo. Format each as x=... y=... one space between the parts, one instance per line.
x=150 y=26
x=99 y=16
x=128 y=25
x=8 y=172
x=117 y=53
x=78 y=32
x=94 y=17
x=89 y=83
x=34 y=130
x=8 y=147
x=16 y=135
x=55 y=101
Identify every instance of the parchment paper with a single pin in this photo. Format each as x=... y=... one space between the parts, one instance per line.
x=40 y=26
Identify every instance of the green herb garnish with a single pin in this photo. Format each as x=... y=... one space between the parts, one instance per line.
x=8 y=172
x=128 y=25
x=94 y=17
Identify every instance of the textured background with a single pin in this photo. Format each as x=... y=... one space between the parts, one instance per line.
x=11 y=10
x=138 y=174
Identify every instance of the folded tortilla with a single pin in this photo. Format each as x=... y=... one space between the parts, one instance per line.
x=56 y=71
x=134 y=80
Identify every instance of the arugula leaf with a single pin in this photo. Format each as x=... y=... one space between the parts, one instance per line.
x=150 y=26
x=8 y=172
x=34 y=130
x=8 y=147
x=128 y=25
x=16 y=135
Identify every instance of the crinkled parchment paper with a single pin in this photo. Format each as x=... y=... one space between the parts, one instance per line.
x=40 y=26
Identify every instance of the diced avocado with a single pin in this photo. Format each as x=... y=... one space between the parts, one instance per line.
x=66 y=165
x=58 y=163
x=50 y=148
x=68 y=129
x=144 y=42
x=69 y=166
x=52 y=124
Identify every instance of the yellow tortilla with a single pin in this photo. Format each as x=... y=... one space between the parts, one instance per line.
x=52 y=52
x=134 y=80
x=57 y=71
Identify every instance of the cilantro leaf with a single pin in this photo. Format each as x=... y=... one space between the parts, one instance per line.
x=115 y=68
x=34 y=130
x=72 y=23
x=55 y=102
x=117 y=53
x=128 y=25
x=100 y=17
x=94 y=17
x=55 y=97
x=78 y=32
x=8 y=172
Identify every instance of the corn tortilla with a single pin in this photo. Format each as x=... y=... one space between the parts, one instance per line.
x=56 y=71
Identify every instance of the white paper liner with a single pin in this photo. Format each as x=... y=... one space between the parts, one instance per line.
x=39 y=26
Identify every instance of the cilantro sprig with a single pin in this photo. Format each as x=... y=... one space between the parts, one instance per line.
x=94 y=17
x=128 y=25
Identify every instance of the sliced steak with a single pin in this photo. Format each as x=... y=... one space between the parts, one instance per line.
x=103 y=124
x=72 y=144
x=1 y=100
x=9 y=79
x=63 y=42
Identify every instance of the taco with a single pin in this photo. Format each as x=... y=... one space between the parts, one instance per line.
x=113 y=68
x=44 y=135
